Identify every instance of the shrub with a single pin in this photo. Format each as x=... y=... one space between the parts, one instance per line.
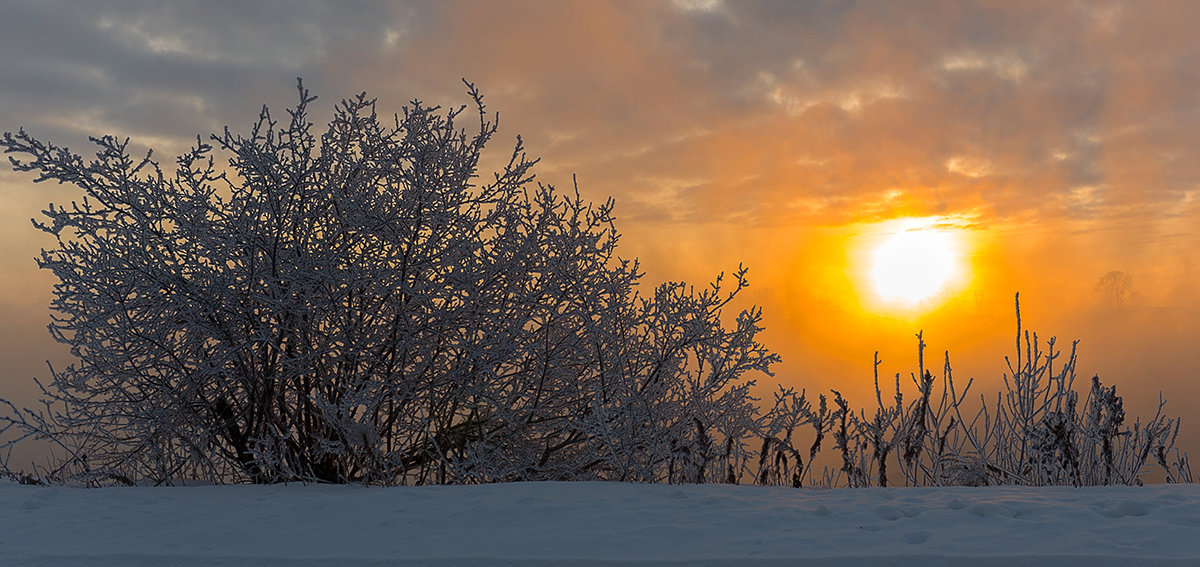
x=1034 y=432
x=359 y=307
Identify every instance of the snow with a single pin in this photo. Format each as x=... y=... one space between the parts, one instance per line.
x=593 y=523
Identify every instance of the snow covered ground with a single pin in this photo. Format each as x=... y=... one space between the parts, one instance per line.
x=598 y=524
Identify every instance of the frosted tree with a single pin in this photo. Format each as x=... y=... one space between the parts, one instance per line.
x=359 y=306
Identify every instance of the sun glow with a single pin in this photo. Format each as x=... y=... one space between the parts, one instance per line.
x=913 y=263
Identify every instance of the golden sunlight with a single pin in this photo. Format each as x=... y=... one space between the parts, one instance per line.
x=912 y=262
x=912 y=266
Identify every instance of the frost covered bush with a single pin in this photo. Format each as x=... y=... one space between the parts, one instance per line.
x=356 y=305
x=1038 y=431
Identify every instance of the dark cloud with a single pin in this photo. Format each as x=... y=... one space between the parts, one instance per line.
x=166 y=71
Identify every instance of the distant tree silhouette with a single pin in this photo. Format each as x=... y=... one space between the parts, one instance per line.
x=1116 y=289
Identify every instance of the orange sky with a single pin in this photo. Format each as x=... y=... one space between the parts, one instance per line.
x=1062 y=140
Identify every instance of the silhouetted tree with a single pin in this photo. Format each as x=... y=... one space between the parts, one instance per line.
x=1116 y=289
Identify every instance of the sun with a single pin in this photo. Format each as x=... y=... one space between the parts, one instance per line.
x=913 y=266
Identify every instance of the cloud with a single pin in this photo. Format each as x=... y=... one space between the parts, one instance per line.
x=1005 y=66
x=164 y=72
x=1017 y=106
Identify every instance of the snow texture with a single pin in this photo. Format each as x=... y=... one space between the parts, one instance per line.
x=596 y=523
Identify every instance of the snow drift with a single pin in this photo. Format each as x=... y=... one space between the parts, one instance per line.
x=597 y=523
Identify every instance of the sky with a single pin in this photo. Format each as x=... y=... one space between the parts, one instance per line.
x=1049 y=143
